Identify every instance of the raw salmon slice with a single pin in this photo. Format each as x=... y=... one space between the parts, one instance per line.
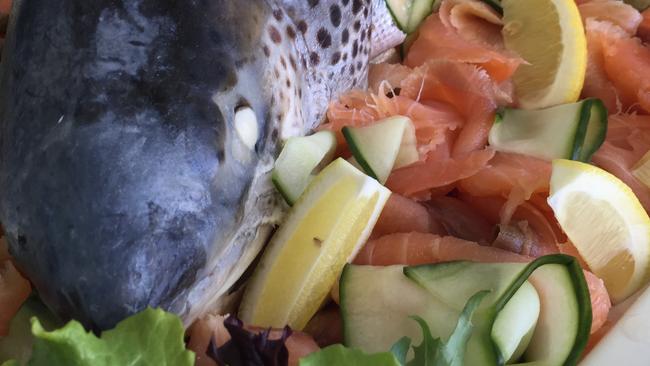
x=628 y=139
x=435 y=41
x=417 y=248
x=512 y=176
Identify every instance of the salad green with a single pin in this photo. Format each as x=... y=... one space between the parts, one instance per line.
x=431 y=352
x=151 y=337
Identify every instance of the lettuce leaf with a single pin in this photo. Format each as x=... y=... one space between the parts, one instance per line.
x=341 y=355
x=434 y=352
x=151 y=337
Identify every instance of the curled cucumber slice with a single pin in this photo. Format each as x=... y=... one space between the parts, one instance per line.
x=383 y=146
x=569 y=131
x=300 y=160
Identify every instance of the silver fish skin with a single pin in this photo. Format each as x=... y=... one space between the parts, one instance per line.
x=129 y=177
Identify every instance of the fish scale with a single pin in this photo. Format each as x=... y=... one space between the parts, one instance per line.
x=126 y=180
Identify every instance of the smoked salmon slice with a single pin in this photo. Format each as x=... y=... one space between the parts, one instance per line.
x=546 y=233
x=5 y=6
x=613 y=11
x=404 y=215
x=473 y=20
x=434 y=173
x=418 y=248
x=512 y=176
x=618 y=69
x=461 y=220
x=466 y=87
x=14 y=290
x=431 y=120
x=393 y=74
x=437 y=41
x=628 y=139
x=643 y=31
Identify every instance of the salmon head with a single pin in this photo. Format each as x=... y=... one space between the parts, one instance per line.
x=137 y=137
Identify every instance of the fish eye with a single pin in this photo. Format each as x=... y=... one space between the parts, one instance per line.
x=245 y=122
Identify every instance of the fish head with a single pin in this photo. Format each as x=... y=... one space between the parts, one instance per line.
x=133 y=137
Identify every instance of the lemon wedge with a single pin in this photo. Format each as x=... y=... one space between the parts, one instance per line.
x=605 y=221
x=549 y=36
x=324 y=229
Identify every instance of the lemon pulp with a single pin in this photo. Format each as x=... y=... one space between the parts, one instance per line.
x=606 y=222
x=549 y=36
x=322 y=232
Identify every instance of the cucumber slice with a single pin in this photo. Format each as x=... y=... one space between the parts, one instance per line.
x=409 y=14
x=419 y=11
x=401 y=11
x=376 y=304
x=406 y=45
x=513 y=329
x=564 y=323
x=408 y=150
x=376 y=301
x=300 y=160
x=568 y=131
x=565 y=319
x=495 y=4
x=380 y=147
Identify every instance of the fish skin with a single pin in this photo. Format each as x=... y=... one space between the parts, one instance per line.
x=124 y=182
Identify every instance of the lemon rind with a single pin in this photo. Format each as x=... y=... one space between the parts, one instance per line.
x=571 y=176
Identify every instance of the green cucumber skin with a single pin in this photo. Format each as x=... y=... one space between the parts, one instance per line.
x=495 y=4
x=580 y=288
x=420 y=10
x=278 y=186
x=358 y=155
x=489 y=314
x=582 y=295
x=591 y=115
x=410 y=27
x=342 y=300
x=398 y=23
x=580 y=151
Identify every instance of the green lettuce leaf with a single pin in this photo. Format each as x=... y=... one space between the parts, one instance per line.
x=427 y=353
x=453 y=352
x=341 y=355
x=152 y=337
x=434 y=352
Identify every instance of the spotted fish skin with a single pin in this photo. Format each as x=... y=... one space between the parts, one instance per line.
x=125 y=183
